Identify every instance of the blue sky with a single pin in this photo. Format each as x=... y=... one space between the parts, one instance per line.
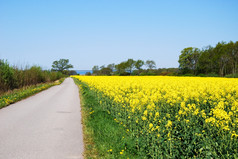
x=98 y=32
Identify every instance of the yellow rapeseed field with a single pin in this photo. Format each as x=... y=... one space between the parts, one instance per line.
x=173 y=116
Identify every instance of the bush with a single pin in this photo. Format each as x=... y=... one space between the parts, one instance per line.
x=212 y=75
x=34 y=75
x=88 y=73
x=172 y=74
x=232 y=75
x=7 y=80
x=202 y=75
x=188 y=75
x=13 y=77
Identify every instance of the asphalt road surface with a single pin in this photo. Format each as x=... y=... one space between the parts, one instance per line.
x=44 y=126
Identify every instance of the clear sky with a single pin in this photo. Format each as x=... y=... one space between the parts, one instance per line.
x=98 y=32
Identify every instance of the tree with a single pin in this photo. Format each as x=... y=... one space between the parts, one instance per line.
x=102 y=67
x=130 y=64
x=106 y=71
x=95 y=70
x=7 y=80
x=88 y=74
x=195 y=57
x=188 y=60
x=111 y=66
x=233 y=55
x=150 y=64
x=139 y=64
x=121 y=67
x=61 y=65
x=205 y=63
x=72 y=72
x=221 y=56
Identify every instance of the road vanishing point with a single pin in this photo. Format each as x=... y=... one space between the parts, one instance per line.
x=44 y=126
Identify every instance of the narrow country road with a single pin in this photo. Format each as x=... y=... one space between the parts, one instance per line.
x=44 y=126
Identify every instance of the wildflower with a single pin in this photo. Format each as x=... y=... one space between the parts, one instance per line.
x=121 y=152
x=169 y=124
x=143 y=118
x=156 y=114
x=145 y=112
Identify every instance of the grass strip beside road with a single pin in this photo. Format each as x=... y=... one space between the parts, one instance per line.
x=16 y=95
x=103 y=136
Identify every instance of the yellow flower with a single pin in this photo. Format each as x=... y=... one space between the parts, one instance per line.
x=169 y=134
x=169 y=124
x=211 y=100
x=143 y=118
x=157 y=114
x=121 y=152
x=145 y=112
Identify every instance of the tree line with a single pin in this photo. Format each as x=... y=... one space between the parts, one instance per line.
x=220 y=60
x=12 y=77
x=132 y=67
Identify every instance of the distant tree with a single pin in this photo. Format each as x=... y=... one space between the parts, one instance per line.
x=106 y=71
x=139 y=64
x=111 y=66
x=232 y=49
x=121 y=67
x=61 y=65
x=88 y=74
x=95 y=70
x=150 y=64
x=235 y=55
x=72 y=72
x=130 y=65
x=188 y=60
x=205 y=60
x=102 y=67
x=221 y=56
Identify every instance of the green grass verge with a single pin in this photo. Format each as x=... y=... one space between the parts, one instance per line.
x=13 y=96
x=103 y=137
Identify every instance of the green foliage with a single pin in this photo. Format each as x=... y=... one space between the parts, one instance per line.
x=188 y=60
x=212 y=74
x=130 y=65
x=72 y=72
x=150 y=64
x=221 y=59
x=13 y=77
x=95 y=70
x=7 y=80
x=61 y=65
x=121 y=68
x=111 y=66
x=88 y=73
x=139 y=64
x=232 y=75
x=106 y=71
